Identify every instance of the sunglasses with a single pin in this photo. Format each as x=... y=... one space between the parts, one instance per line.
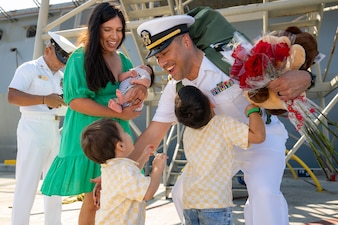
x=60 y=53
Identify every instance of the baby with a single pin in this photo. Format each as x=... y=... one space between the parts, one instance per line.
x=142 y=74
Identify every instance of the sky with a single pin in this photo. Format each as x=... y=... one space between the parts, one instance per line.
x=9 y=5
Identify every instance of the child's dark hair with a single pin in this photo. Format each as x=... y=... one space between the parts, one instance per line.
x=152 y=75
x=192 y=107
x=99 y=139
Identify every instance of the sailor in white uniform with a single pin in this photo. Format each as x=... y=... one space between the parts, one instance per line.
x=37 y=89
x=167 y=39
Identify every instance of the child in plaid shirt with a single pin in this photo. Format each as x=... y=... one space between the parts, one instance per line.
x=208 y=142
x=124 y=189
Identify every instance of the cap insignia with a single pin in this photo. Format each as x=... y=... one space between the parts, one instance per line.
x=146 y=37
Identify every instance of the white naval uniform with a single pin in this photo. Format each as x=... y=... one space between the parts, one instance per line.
x=38 y=139
x=262 y=164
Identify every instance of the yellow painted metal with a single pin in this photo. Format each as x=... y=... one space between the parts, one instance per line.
x=295 y=176
x=10 y=162
x=307 y=169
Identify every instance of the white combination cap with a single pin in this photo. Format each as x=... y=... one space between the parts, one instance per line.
x=63 y=47
x=158 y=33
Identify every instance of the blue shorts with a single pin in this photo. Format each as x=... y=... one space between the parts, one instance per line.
x=221 y=216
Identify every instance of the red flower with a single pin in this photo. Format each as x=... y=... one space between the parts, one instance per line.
x=242 y=81
x=255 y=65
x=263 y=47
x=282 y=51
x=237 y=68
x=240 y=53
x=259 y=64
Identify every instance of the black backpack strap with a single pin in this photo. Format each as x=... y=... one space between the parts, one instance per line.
x=211 y=28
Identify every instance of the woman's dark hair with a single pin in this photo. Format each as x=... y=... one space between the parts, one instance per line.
x=192 y=107
x=99 y=139
x=97 y=72
x=152 y=75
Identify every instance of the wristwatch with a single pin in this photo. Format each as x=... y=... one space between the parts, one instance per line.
x=313 y=79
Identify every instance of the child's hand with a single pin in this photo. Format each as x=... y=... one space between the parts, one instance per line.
x=96 y=191
x=160 y=161
x=134 y=73
x=148 y=151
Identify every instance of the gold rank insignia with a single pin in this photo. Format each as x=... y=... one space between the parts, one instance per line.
x=42 y=77
x=146 y=37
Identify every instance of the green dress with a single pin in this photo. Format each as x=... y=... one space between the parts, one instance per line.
x=71 y=170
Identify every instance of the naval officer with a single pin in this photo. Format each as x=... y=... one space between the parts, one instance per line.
x=37 y=89
x=168 y=40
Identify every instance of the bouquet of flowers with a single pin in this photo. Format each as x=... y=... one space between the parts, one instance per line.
x=255 y=65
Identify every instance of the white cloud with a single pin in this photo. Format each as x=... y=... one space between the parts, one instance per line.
x=9 y=5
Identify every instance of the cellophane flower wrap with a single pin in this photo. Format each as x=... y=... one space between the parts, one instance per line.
x=255 y=65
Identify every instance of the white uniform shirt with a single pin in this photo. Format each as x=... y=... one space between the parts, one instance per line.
x=35 y=77
x=230 y=101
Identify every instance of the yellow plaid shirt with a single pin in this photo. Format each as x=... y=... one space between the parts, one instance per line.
x=207 y=181
x=123 y=190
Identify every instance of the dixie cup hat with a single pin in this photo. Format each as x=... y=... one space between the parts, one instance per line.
x=63 y=47
x=158 y=33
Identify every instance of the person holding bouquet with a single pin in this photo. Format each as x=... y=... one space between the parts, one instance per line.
x=263 y=166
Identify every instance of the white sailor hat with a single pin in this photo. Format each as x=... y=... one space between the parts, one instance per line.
x=63 y=47
x=158 y=33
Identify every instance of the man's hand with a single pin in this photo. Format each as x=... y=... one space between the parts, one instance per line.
x=97 y=191
x=291 y=84
x=137 y=94
x=54 y=101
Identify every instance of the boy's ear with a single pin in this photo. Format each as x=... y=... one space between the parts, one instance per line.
x=119 y=146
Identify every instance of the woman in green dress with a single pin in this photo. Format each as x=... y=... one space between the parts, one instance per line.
x=90 y=80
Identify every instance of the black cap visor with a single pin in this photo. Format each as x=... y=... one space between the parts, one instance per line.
x=60 y=53
x=159 y=48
